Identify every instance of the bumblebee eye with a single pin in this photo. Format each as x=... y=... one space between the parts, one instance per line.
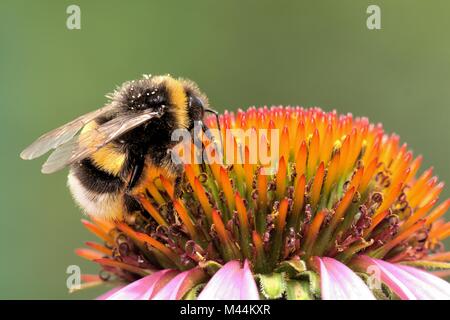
x=196 y=108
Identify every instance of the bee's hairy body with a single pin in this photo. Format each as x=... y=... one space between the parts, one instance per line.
x=100 y=182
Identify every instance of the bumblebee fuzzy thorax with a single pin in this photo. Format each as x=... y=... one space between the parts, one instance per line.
x=181 y=99
x=122 y=144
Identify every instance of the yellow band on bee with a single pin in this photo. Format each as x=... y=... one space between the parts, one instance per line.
x=178 y=99
x=107 y=158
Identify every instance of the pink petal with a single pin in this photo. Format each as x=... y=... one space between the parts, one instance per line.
x=338 y=282
x=221 y=284
x=439 y=285
x=249 y=290
x=109 y=293
x=231 y=283
x=407 y=282
x=180 y=285
x=414 y=285
x=145 y=288
x=388 y=276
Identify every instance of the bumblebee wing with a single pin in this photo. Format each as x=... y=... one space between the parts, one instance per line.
x=92 y=140
x=61 y=135
x=60 y=158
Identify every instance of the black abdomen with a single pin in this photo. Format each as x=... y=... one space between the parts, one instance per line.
x=95 y=179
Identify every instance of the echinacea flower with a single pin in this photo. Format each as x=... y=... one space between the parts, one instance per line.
x=345 y=215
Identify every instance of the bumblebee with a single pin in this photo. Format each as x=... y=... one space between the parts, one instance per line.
x=113 y=150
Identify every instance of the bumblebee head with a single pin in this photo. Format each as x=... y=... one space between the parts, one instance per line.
x=196 y=102
x=181 y=99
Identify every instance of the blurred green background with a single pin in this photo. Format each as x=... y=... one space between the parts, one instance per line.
x=242 y=53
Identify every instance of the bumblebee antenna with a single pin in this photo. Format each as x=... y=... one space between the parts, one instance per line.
x=216 y=114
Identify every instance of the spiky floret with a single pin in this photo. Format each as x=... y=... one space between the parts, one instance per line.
x=342 y=188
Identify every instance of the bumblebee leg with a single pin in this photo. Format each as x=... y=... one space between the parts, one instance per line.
x=177 y=167
x=207 y=132
x=132 y=209
x=136 y=173
x=178 y=190
x=213 y=139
